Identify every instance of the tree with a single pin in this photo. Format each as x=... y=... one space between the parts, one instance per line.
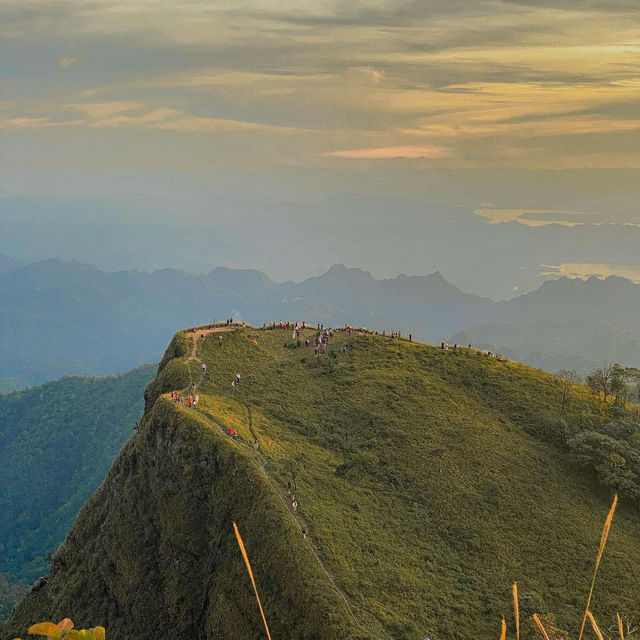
x=600 y=379
x=568 y=377
x=620 y=385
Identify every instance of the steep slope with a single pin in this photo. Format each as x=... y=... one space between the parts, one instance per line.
x=57 y=442
x=423 y=485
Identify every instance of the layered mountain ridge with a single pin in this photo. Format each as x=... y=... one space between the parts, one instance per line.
x=81 y=320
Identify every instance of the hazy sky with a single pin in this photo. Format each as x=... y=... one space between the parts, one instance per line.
x=525 y=110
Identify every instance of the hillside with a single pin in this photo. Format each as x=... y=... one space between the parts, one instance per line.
x=83 y=321
x=570 y=324
x=426 y=482
x=57 y=442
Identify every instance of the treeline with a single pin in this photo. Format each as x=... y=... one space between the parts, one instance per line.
x=609 y=444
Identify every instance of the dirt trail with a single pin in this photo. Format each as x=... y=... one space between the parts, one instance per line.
x=260 y=461
x=199 y=334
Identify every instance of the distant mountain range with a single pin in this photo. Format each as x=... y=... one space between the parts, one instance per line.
x=61 y=317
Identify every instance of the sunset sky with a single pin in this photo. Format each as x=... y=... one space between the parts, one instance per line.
x=527 y=109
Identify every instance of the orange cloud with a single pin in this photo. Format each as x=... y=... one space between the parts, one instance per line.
x=385 y=153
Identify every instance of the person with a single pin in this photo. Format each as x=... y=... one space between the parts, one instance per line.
x=189 y=401
x=256 y=444
x=410 y=338
x=237 y=378
x=195 y=400
x=204 y=368
x=294 y=503
x=230 y=431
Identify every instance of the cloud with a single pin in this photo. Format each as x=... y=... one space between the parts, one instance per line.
x=135 y=115
x=365 y=74
x=386 y=153
x=66 y=63
x=460 y=83
x=585 y=270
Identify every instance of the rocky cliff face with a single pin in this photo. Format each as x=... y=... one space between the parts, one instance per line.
x=152 y=554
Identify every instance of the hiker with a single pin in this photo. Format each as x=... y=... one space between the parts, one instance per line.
x=294 y=503
x=230 y=431
x=256 y=444
x=237 y=378
x=195 y=400
x=410 y=338
x=189 y=401
x=220 y=341
x=204 y=368
x=234 y=435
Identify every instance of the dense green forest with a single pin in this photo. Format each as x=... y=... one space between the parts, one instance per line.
x=57 y=442
x=426 y=481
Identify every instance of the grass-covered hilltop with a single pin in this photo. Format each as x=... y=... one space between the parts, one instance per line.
x=425 y=482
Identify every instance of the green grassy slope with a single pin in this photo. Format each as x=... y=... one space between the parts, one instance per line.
x=420 y=482
x=57 y=442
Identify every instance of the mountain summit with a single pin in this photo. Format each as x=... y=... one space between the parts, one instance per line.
x=385 y=489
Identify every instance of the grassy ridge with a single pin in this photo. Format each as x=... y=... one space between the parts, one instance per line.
x=419 y=481
x=423 y=481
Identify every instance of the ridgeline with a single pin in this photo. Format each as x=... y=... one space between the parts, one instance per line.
x=425 y=482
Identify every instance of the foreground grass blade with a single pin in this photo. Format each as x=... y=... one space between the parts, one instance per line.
x=595 y=626
x=516 y=609
x=620 y=627
x=603 y=542
x=503 y=633
x=253 y=582
x=541 y=628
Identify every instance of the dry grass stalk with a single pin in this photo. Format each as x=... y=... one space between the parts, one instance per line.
x=253 y=582
x=603 y=542
x=503 y=633
x=595 y=626
x=620 y=627
x=541 y=628
x=516 y=608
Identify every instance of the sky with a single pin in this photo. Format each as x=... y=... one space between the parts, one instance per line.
x=525 y=111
